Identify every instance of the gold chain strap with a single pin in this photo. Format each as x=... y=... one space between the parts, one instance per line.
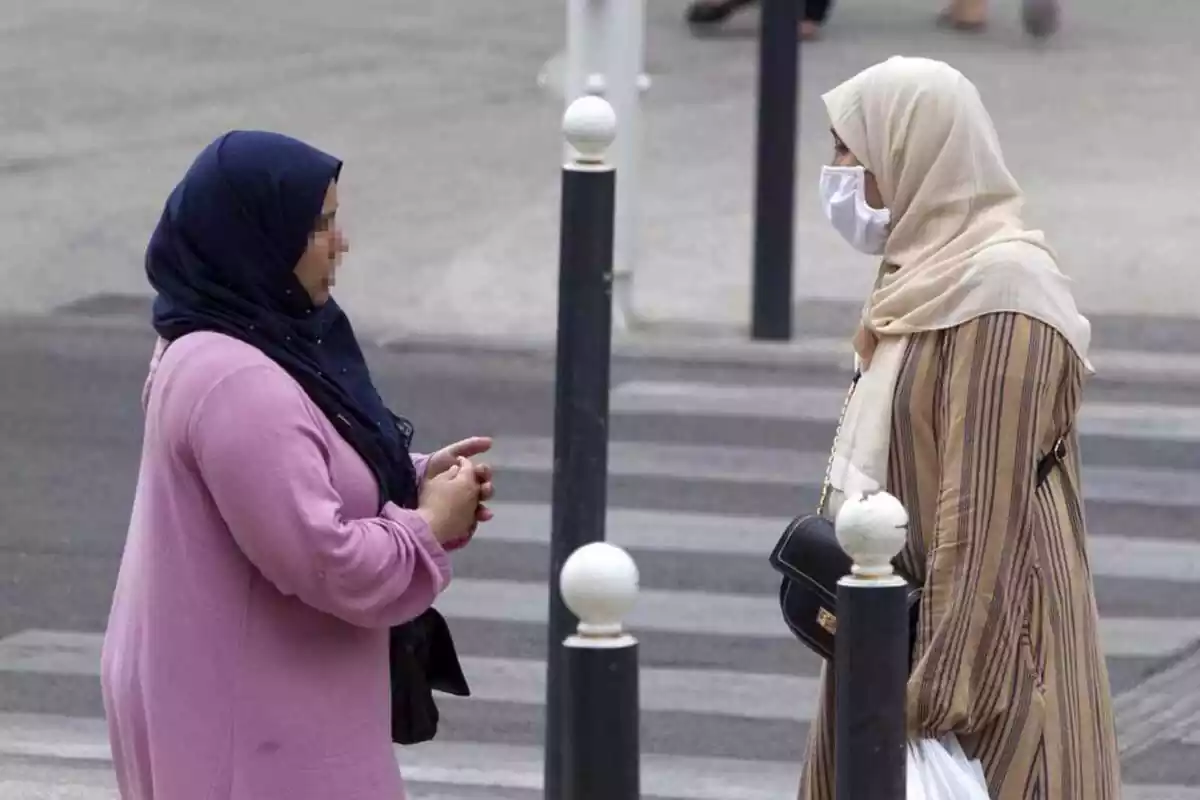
x=821 y=504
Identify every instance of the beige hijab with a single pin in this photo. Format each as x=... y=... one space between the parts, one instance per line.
x=957 y=248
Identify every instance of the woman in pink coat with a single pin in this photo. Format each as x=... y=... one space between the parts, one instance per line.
x=281 y=529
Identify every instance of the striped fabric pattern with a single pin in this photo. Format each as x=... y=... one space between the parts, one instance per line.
x=1008 y=654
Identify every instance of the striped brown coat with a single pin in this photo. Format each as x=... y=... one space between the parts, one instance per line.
x=1008 y=653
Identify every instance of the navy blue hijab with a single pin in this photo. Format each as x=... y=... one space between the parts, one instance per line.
x=222 y=259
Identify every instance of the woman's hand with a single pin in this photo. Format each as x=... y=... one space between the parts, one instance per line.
x=450 y=503
x=447 y=458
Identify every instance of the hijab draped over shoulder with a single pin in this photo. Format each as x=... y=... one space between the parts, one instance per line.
x=957 y=249
x=223 y=259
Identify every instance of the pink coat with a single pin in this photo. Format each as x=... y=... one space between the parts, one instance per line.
x=246 y=652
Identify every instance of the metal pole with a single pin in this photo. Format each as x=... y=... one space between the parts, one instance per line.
x=605 y=55
x=581 y=382
x=871 y=655
x=601 y=758
x=775 y=169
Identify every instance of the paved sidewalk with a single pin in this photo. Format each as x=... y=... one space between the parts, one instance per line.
x=452 y=148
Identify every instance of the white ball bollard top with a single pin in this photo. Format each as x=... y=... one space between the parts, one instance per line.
x=590 y=127
x=599 y=583
x=872 y=528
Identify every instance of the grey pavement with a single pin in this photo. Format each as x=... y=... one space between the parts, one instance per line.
x=726 y=693
x=452 y=150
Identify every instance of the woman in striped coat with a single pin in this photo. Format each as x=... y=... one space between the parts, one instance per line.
x=973 y=359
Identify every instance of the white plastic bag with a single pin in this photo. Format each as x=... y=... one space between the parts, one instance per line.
x=938 y=769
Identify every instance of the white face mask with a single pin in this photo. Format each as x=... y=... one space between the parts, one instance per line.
x=843 y=196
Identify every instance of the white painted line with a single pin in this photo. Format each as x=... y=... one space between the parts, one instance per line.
x=53 y=790
x=710 y=613
x=727 y=534
x=787 y=467
x=1141 y=421
x=692 y=691
x=684 y=461
x=1147 y=792
x=698 y=613
x=638 y=529
x=1131 y=637
x=1150 y=559
x=453 y=763
x=33 y=780
x=794 y=403
x=51 y=652
x=46 y=736
x=1163 y=709
x=466 y=764
x=665 y=776
x=820 y=404
x=701 y=613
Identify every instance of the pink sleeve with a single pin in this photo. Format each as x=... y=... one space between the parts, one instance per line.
x=263 y=459
x=420 y=464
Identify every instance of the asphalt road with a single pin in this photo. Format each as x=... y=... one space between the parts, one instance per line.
x=723 y=683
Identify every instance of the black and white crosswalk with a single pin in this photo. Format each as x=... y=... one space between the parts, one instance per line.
x=706 y=467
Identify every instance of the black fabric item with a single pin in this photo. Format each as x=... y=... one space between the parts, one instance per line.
x=423 y=660
x=812 y=561
x=708 y=12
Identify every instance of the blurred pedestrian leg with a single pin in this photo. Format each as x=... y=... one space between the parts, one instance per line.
x=715 y=12
x=964 y=15
x=1040 y=17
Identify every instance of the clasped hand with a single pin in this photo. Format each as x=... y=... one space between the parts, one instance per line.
x=455 y=490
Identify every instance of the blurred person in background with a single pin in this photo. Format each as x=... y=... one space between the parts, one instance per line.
x=714 y=12
x=973 y=358
x=1040 y=17
x=281 y=526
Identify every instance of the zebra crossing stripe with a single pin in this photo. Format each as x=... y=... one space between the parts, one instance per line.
x=453 y=763
x=507 y=680
x=459 y=764
x=700 y=613
x=717 y=614
x=793 y=468
x=821 y=404
x=1163 y=709
x=1112 y=556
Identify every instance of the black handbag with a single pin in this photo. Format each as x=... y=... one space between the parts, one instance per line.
x=422 y=659
x=812 y=561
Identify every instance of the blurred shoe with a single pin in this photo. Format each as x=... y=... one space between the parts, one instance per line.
x=713 y=12
x=1041 y=17
x=969 y=16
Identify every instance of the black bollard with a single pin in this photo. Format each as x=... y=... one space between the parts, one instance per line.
x=601 y=754
x=580 y=476
x=775 y=169
x=871 y=652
